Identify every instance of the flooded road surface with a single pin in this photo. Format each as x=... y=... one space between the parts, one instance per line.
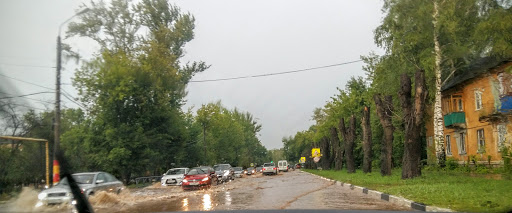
x=288 y=190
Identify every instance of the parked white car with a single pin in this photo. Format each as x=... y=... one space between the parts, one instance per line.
x=282 y=165
x=173 y=177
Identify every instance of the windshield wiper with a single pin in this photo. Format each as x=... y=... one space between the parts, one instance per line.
x=82 y=204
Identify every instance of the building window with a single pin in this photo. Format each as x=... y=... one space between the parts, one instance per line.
x=459 y=105
x=478 y=100
x=448 y=145
x=462 y=143
x=480 y=140
x=502 y=132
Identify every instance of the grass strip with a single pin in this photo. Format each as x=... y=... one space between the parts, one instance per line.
x=447 y=189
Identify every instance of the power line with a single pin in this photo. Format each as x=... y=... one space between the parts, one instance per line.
x=23 y=65
x=30 y=98
x=277 y=73
x=65 y=92
x=6 y=76
x=19 y=96
x=21 y=105
x=71 y=99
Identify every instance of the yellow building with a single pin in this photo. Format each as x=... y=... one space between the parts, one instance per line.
x=476 y=104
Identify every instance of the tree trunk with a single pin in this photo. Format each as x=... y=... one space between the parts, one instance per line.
x=341 y=148
x=412 y=117
x=367 y=141
x=335 y=142
x=325 y=160
x=348 y=138
x=438 y=114
x=384 y=110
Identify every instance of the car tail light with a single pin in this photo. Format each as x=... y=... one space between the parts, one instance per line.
x=274 y=168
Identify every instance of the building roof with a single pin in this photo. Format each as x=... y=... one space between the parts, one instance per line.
x=473 y=70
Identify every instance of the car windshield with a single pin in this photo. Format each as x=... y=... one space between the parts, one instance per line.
x=84 y=178
x=221 y=167
x=196 y=171
x=412 y=98
x=175 y=172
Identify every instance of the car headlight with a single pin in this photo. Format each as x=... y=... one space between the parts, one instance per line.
x=42 y=195
x=226 y=173
x=205 y=179
x=184 y=181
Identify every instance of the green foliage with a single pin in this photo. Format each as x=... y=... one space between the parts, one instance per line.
x=467 y=30
x=451 y=164
x=230 y=136
x=507 y=160
x=134 y=89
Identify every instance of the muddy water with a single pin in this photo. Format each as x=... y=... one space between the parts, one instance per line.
x=289 y=190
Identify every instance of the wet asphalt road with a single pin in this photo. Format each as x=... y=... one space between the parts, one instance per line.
x=288 y=190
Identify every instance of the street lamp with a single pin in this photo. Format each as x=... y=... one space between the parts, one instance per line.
x=56 y=172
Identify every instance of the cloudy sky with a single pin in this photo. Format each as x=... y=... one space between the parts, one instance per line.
x=237 y=38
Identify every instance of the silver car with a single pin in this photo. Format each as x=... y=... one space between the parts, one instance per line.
x=239 y=172
x=174 y=176
x=90 y=183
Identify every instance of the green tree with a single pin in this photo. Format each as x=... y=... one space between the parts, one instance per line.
x=135 y=88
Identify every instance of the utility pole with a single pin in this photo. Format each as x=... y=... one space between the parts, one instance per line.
x=56 y=129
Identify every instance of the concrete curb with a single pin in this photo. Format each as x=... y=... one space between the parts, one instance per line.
x=390 y=198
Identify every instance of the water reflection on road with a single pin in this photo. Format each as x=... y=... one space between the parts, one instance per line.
x=291 y=190
x=207 y=202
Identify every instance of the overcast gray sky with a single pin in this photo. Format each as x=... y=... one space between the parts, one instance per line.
x=237 y=38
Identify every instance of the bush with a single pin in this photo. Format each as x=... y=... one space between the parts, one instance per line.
x=482 y=170
x=507 y=164
x=451 y=164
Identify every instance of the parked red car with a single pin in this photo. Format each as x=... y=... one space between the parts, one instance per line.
x=196 y=178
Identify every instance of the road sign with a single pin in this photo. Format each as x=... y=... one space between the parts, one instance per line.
x=303 y=159
x=315 y=154
x=252 y=164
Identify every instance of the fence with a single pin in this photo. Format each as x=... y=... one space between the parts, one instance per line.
x=148 y=179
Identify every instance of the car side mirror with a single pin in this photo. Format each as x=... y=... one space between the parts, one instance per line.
x=99 y=181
